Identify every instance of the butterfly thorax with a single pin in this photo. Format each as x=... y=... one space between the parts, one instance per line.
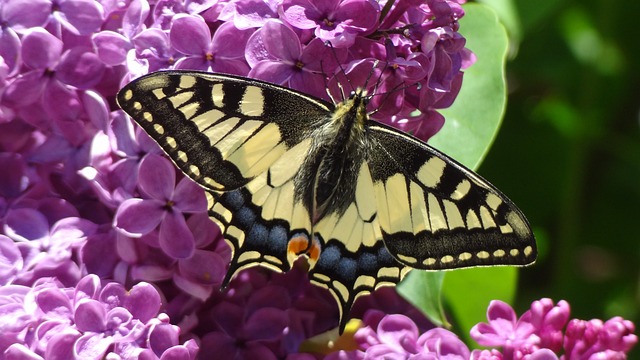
x=340 y=148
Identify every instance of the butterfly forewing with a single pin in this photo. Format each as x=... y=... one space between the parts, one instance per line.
x=453 y=218
x=266 y=156
x=220 y=130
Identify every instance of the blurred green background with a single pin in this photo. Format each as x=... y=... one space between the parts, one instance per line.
x=568 y=152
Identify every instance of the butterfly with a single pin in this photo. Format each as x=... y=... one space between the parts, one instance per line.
x=288 y=175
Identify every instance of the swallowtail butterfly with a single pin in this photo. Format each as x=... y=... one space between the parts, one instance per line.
x=290 y=175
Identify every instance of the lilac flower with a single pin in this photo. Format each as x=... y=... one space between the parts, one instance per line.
x=80 y=17
x=336 y=21
x=46 y=251
x=504 y=328
x=164 y=207
x=597 y=339
x=190 y=35
x=246 y=14
x=89 y=321
x=286 y=62
x=540 y=334
x=52 y=72
x=397 y=337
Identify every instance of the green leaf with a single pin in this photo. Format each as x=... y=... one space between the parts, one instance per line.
x=425 y=296
x=473 y=120
x=471 y=125
x=467 y=293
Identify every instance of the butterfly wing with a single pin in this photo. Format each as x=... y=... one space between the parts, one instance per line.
x=243 y=141
x=436 y=214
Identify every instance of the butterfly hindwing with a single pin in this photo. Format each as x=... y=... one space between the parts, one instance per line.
x=453 y=218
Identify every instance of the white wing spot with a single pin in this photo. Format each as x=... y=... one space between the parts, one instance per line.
x=187 y=82
x=465 y=256
x=461 y=190
x=147 y=116
x=499 y=253
x=212 y=183
x=217 y=132
x=137 y=105
x=454 y=218
x=493 y=201
x=236 y=233
x=217 y=95
x=446 y=259
x=364 y=280
x=407 y=259
x=396 y=192
x=195 y=171
x=249 y=257
x=506 y=229
x=171 y=141
x=252 y=103
x=365 y=198
x=472 y=220
x=128 y=95
x=207 y=119
x=389 y=272
x=429 y=261
x=182 y=156
x=514 y=252
x=487 y=219
x=528 y=250
x=342 y=290
x=436 y=216
x=158 y=93
x=482 y=255
x=190 y=109
x=178 y=99
x=158 y=128
x=419 y=213
x=431 y=172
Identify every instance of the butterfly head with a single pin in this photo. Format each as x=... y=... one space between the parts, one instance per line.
x=352 y=112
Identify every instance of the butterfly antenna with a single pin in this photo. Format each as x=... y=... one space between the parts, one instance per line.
x=325 y=76
x=386 y=95
x=342 y=70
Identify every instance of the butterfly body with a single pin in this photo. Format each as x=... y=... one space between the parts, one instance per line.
x=289 y=175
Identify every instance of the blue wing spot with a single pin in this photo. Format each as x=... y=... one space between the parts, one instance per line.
x=233 y=200
x=278 y=237
x=258 y=234
x=329 y=257
x=347 y=268
x=245 y=217
x=384 y=256
x=368 y=263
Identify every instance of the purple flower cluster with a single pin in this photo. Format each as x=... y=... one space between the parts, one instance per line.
x=544 y=331
x=90 y=208
x=541 y=333
x=89 y=321
x=86 y=195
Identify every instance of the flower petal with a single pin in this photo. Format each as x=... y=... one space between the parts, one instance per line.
x=189 y=34
x=176 y=240
x=157 y=177
x=137 y=217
